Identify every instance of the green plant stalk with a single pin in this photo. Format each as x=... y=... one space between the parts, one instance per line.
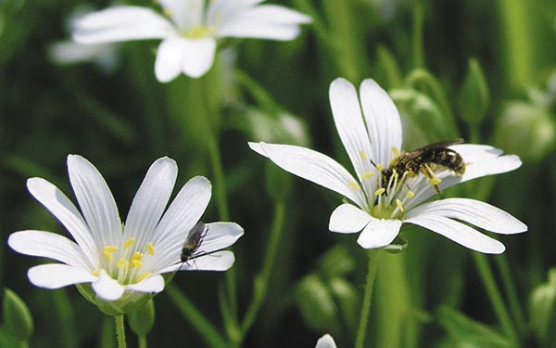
x=418 y=34
x=493 y=292
x=196 y=318
x=262 y=280
x=511 y=293
x=366 y=306
x=142 y=341
x=120 y=330
x=220 y=191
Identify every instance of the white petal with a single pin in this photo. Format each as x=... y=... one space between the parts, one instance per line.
x=184 y=212
x=383 y=121
x=379 y=233
x=151 y=200
x=264 y=22
x=475 y=212
x=348 y=218
x=107 y=288
x=154 y=284
x=313 y=166
x=169 y=58
x=96 y=201
x=351 y=128
x=220 y=235
x=186 y=14
x=198 y=57
x=55 y=276
x=218 y=261
x=459 y=233
x=472 y=153
x=65 y=211
x=122 y=24
x=326 y=341
x=50 y=245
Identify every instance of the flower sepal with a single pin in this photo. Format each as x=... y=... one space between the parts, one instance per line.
x=130 y=300
x=397 y=246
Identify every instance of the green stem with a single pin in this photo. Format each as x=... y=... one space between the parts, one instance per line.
x=366 y=309
x=120 y=330
x=418 y=35
x=220 y=191
x=511 y=292
x=493 y=292
x=262 y=280
x=142 y=341
x=196 y=318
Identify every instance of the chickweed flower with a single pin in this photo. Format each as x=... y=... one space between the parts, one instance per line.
x=383 y=197
x=119 y=266
x=326 y=341
x=189 y=30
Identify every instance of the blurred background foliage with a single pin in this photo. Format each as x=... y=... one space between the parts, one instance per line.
x=481 y=70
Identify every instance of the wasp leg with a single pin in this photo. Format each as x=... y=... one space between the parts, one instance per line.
x=433 y=180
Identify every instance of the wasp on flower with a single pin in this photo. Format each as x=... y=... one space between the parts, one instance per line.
x=392 y=188
x=124 y=263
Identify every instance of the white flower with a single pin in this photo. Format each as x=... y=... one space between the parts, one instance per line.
x=190 y=35
x=326 y=341
x=372 y=140
x=104 y=55
x=123 y=263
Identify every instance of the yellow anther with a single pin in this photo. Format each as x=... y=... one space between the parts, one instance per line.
x=435 y=181
x=367 y=175
x=129 y=242
x=395 y=151
x=150 y=248
x=380 y=167
x=354 y=185
x=363 y=155
x=136 y=263
x=399 y=204
x=380 y=191
x=122 y=263
x=96 y=272
x=107 y=252
x=410 y=194
x=143 y=276
x=137 y=256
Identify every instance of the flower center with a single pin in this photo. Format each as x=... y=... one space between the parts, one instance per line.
x=126 y=263
x=392 y=195
x=199 y=32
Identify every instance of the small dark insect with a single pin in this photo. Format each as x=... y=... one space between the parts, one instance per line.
x=193 y=241
x=423 y=160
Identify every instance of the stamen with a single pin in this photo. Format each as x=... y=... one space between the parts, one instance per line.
x=380 y=191
x=136 y=263
x=395 y=151
x=363 y=155
x=399 y=204
x=129 y=242
x=108 y=250
x=122 y=263
x=367 y=175
x=380 y=167
x=354 y=185
x=409 y=194
x=96 y=272
x=150 y=248
x=136 y=259
x=435 y=181
x=143 y=276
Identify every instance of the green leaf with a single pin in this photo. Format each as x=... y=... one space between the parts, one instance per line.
x=468 y=332
x=17 y=317
x=474 y=96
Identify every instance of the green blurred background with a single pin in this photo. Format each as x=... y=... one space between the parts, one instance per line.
x=481 y=70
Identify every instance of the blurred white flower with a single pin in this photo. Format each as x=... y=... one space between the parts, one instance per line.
x=326 y=341
x=378 y=209
x=65 y=52
x=189 y=30
x=123 y=263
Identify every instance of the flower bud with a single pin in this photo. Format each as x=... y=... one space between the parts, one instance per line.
x=141 y=321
